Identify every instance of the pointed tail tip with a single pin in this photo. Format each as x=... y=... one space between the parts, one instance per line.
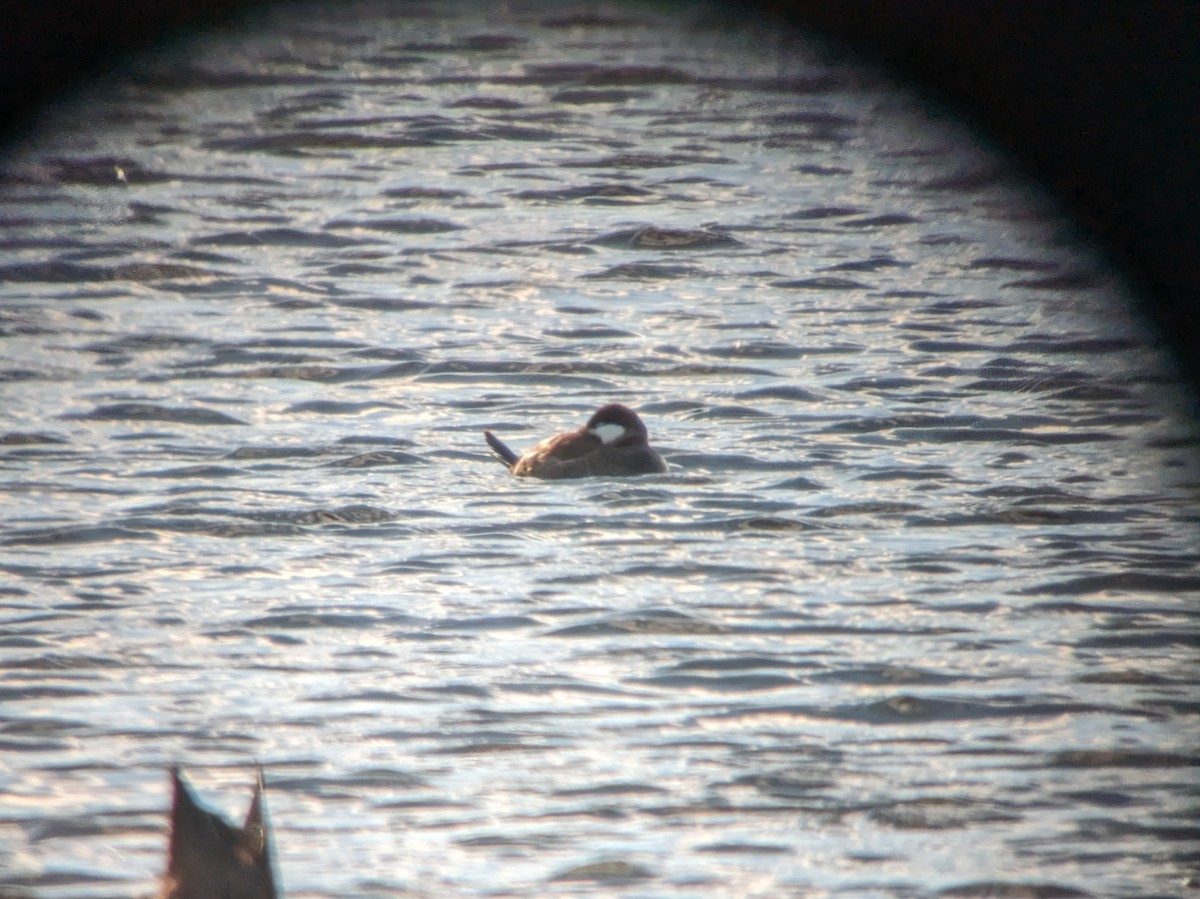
x=500 y=448
x=181 y=796
x=255 y=825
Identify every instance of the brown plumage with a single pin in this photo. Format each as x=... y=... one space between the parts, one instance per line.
x=614 y=442
x=210 y=859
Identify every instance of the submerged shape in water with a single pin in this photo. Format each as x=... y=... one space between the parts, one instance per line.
x=208 y=858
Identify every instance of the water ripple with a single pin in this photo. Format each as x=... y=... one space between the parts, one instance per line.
x=912 y=612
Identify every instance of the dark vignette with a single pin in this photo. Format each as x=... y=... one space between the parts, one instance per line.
x=1098 y=101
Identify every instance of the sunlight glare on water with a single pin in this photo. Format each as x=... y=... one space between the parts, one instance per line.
x=912 y=613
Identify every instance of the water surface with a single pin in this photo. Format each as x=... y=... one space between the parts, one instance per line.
x=913 y=613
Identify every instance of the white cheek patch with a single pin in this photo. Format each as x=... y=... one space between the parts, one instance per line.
x=608 y=432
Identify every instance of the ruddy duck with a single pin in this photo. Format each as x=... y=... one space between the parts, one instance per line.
x=612 y=443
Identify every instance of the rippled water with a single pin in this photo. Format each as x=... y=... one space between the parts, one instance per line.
x=914 y=611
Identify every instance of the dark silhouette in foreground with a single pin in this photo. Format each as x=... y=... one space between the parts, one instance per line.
x=209 y=858
x=613 y=443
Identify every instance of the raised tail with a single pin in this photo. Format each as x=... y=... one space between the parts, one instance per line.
x=500 y=448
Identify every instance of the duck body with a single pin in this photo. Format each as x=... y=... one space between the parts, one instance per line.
x=613 y=443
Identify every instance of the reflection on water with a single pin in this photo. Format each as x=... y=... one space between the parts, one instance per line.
x=912 y=613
